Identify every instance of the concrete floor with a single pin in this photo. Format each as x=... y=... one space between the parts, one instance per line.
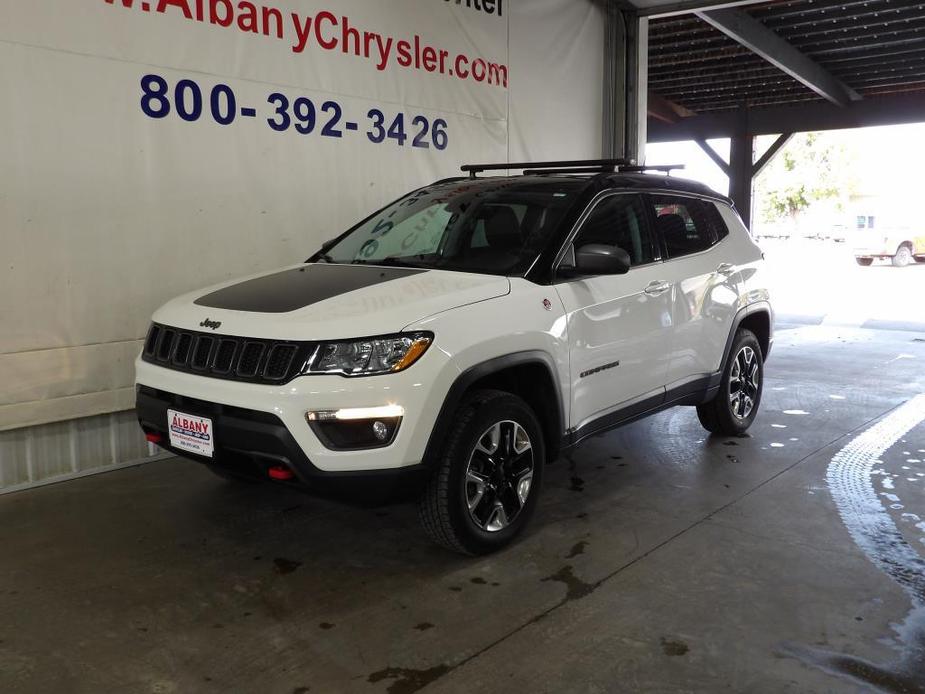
x=660 y=560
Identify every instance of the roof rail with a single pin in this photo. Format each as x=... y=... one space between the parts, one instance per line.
x=574 y=166
x=575 y=170
x=610 y=164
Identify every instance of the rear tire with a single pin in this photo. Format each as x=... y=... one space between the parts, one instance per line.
x=920 y=258
x=733 y=409
x=864 y=262
x=903 y=256
x=488 y=475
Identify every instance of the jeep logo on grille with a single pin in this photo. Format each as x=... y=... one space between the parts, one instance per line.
x=213 y=324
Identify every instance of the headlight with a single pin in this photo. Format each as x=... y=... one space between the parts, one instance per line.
x=370 y=356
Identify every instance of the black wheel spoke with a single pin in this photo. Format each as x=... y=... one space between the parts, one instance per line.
x=507 y=439
x=484 y=506
x=510 y=502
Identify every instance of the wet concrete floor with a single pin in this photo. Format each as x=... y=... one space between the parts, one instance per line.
x=660 y=560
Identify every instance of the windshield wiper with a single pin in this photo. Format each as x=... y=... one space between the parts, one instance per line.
x=391 y=261
x=322 y=253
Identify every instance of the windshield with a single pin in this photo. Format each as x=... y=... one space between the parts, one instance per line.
x=487 y=226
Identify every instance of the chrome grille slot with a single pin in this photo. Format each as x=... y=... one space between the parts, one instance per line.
x=165 y=345
x=182 y=352
x=203 y=352
x=279 y=361
x=151 y=341
x=224 y=357
x=250 y=359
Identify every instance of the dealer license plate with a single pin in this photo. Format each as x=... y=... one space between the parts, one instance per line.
x=191 y=433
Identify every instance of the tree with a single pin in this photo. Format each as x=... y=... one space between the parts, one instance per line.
x=811 y=167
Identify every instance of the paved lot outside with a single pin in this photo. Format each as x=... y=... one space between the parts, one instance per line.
x=816 y=281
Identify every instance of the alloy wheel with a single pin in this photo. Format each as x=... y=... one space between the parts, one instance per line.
x=499 y=475
x=744 y=383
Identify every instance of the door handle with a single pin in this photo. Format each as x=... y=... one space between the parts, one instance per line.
x=725 y=269
x=657 y=287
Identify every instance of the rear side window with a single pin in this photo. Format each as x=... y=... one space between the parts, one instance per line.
x=687 y=225
x=619 y=220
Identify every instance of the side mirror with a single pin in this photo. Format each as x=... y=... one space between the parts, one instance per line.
x=597 y=259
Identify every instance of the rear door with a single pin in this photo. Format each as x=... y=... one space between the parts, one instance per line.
x=618 y=325
x=700 y=259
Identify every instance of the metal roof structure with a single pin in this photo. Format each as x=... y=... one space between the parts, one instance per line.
x=790 y=64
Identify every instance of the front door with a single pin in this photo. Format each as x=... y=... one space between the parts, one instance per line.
x=619 y=326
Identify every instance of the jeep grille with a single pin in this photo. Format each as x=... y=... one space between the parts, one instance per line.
x=226 y=356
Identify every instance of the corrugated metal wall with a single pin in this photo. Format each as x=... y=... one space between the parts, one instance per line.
x=64 y=450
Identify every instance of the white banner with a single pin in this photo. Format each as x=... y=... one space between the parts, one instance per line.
x=153 y=147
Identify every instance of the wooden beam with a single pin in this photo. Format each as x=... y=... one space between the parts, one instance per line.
x=666 y=111
x=809 y=116
x=756 y=37
x=718 y=160
x=766 y=158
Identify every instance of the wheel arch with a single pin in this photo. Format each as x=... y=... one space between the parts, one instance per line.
x=531 y=375
x=758 y=318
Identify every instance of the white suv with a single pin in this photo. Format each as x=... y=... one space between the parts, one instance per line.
x=457 y=340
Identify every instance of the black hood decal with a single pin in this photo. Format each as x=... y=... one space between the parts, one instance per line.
x=293 y=289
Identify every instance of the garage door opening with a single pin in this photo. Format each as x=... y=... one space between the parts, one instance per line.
x=839 y=217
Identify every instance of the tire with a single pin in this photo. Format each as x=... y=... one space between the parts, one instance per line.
x=726 y=413
x=903 y=256
x=467 y=472
x=920 y=258
x=865 y=262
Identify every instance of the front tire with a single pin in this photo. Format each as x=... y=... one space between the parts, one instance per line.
x=903 y=256
x=735 y=406
x=487 y=477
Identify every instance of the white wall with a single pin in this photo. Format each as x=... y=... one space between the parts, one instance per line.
x=106 y=212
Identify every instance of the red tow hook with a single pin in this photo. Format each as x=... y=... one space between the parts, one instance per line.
x=278 y=472
x=153 y=437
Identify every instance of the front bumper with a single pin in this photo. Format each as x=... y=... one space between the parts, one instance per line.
x=267 y=421
x=249 y=443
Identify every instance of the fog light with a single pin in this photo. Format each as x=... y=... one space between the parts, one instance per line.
x=356 y=428
x=347 y=413
x=380 y=430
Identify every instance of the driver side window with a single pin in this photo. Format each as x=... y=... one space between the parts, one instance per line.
x=619 y=220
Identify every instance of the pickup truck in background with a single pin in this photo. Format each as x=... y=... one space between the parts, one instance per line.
x=901 y=246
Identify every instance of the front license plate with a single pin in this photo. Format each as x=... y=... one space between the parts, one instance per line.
x=191 y=433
